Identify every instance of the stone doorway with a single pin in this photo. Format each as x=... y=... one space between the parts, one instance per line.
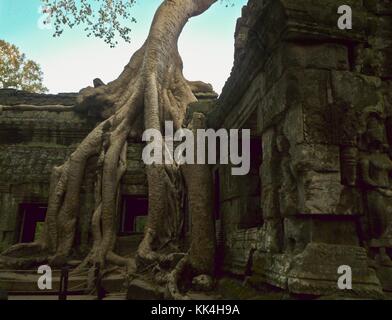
x=33 y=219
x=249 y=189
x=134 y=215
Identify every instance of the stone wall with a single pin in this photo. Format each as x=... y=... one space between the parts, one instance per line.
x=32 y=142
x=12 y=97
x=322 y=103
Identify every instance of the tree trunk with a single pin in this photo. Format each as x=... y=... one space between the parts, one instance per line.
x=198 y=180
x=150 y=90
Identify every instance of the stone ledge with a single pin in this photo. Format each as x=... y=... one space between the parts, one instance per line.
x=12 y=97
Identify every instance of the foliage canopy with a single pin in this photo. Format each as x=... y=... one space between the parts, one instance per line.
x=18 y=72
x=106 y=19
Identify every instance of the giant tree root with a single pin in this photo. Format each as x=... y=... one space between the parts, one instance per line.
x=150 y=90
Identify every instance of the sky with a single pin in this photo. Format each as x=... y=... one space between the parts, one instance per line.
x=71 y=62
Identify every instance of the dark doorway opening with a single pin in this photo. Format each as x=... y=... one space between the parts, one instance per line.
x=251 y=212
x=134 y=215
x=33 y=219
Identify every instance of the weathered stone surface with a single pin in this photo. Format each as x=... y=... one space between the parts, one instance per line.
x=13 y=97
x=298 y=233
x=384 y=273
x=305 y=20
x=271 y=268
x=327 y=56
x=203 y=283
x=319 y=193
x=357 y=89
x=318 y=92
x=239 y=247
x=268 y=140
x=379 y=7
x=142 y=290
x=246 y=106
x=293 y=125
x=317 y=157
x=29 y=163
x=204 y=107
x=280 y=98
x=269 y=200
x=317 y=171
x=315 y=271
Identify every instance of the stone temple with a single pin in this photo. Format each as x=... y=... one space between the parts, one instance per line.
x=318 y=101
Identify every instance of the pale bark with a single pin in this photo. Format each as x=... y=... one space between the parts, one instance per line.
x=201 y=256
